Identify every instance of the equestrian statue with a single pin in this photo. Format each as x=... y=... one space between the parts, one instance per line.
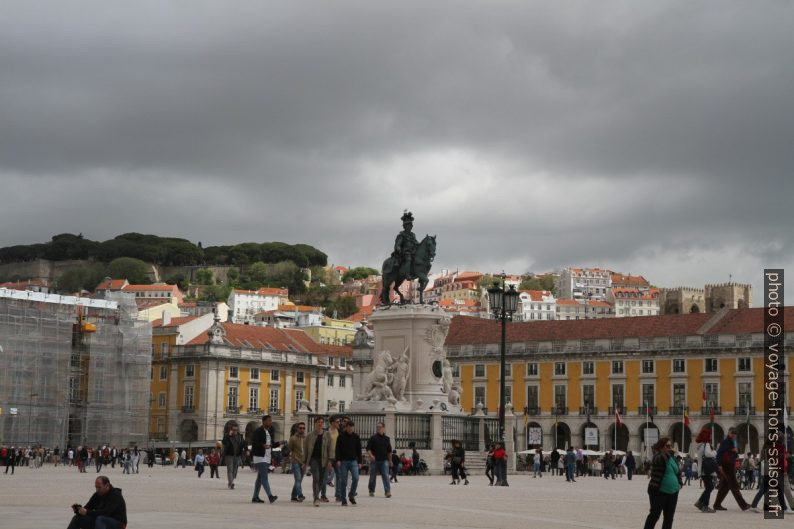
x=410 y=260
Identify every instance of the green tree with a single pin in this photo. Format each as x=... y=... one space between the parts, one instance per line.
x=204 y=276
x=179 y=280
x=343 y=306
x=359 y=272
x=83 y=278
x=215 y=293
x=129 y=268
x=541 y=282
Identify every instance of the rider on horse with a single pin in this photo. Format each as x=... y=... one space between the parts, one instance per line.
x=405 y=247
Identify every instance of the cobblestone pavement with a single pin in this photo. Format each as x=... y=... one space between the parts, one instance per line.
x=176 y=498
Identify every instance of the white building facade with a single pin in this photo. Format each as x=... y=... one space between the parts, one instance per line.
x=534 y=305
x=584 y=283
x=244 y=305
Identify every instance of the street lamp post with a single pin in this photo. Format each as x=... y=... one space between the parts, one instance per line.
x=30 y=408
x=503 y=304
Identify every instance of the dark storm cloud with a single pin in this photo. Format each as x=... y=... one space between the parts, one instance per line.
x=526 y=135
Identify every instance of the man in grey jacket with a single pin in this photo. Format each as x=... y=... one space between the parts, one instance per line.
x=317 y=456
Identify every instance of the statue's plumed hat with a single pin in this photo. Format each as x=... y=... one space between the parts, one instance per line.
x=407 y=216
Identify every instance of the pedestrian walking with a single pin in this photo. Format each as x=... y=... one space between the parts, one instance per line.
x=726 y=459
x=213 y=460
x=664 y=485
x=457 y=458
x=570 y=465
x=537 y=464
x=262 y=444
x=11 y=460
x=631 y=464
x=297 y=447
x=233 y=444
x=318 y=458
x=331 y=478
x=489 y=465
x=98 y=459
x=379 y=451
x=199 y=462
x=500 y=464
x=555 y=459
x=348 y=461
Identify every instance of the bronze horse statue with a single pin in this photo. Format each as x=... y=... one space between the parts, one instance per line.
x=423 y=258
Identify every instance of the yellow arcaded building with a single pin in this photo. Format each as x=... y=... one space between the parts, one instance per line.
x=206 y=373
x=567 y=379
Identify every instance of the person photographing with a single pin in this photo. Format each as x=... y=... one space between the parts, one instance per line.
x=105 y=510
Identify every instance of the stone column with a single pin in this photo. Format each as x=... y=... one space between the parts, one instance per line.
x=435 y=458
x=391 y=427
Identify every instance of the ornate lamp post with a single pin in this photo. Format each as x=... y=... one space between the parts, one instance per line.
x=503 y=304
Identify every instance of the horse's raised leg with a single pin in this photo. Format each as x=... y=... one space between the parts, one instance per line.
x=397 y=284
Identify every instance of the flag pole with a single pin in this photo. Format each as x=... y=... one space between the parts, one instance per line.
x=683 y=427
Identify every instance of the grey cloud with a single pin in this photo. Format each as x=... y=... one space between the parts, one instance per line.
x=267 y=121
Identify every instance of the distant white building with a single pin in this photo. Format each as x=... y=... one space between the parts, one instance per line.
x=244 y=305
x=536 y=305
x=641 y=301
x=584 y=283
x=290 y=316
x=339 y=391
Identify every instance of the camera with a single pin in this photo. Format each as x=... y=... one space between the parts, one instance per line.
x=76 y=507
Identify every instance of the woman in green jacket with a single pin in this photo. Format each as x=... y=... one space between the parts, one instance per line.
x=664 y=485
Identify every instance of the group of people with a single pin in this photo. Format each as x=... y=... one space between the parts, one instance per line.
x=666 y=477
x=574 y=463
x=332 y=456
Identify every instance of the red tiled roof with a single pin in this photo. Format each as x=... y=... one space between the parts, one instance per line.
x=299 y=308
x=598 y=303
x=337 y=350
x=362 y=313
x=630 y=280
x=112 y=284
x=24 y=285
x=152 y=288
x=174 y=321
x=567 y=302
x=636 y=293
x=747 y=321
x=537 y=295
x=254 y=337
x=147 y=303
x=467 y=330
x=264 y=291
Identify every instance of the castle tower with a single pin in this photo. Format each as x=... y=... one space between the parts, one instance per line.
x=731 y=295
x=682 y=300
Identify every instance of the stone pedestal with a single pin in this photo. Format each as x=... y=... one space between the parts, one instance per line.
x=417 y=331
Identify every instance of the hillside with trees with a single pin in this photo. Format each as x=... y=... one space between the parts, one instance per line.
x=165 y=251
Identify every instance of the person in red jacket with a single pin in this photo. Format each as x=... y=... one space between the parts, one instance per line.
x=500 y=465
x=214 y=460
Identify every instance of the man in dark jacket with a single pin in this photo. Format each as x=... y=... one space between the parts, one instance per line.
x=105 y=510
x=379 y=448
x=261 y=445
x=726 y=459
x=233 y=444
x=348 y=459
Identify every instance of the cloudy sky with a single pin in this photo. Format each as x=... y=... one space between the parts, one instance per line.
x=646 y=137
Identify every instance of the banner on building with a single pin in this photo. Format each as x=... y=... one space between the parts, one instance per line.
x=534 y=436
x=591 y=436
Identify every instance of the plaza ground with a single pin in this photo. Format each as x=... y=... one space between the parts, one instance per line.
x=176 y=499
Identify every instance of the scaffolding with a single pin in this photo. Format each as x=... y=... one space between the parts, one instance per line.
x=73 y=371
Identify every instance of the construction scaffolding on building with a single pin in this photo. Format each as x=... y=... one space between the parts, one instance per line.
x=73 y=370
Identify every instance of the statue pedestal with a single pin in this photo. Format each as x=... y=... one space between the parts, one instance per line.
x=417 y=331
